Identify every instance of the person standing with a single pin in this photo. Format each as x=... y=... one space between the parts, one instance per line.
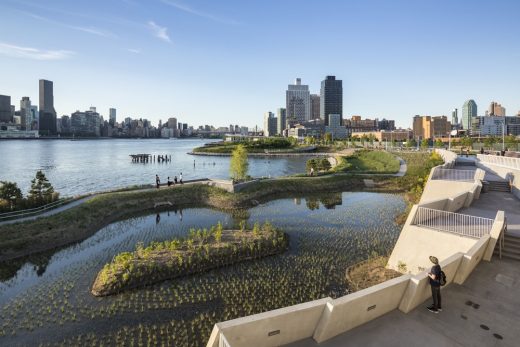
x=157 y=181
x=180 y=178
x=435 y=283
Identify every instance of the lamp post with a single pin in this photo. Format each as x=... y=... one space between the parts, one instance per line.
x=503 y=134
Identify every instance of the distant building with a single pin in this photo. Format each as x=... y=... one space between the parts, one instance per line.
x=455 y=118
x=172 y=123
x=6 y=115
x=385 y=124
x=281 y=123
x=496 y=125
x=86 y=123
x=35 y=117
x=356 y=124
x=495 y=109
x=313 y=128
x=112 y=117
x=315 y=106
x=270 y=124
x=469 y=111
x=298 y=103
x=331 y=98
x=399 y=135
x=335 y=128
x=426 y=127
x=47 y=112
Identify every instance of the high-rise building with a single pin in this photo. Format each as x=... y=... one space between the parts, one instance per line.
x=5 y=109
x=25 y=113
x=455 y=117
x=331 y=98
x=495 y=109
x=47 y=112
x=35 y=117
x=335 y=128
x=315 y=106
x=469 y=111
x=281 y=116
x=269 y=124
x=112 y=116
x=172 y=123
x=298 y=102
x=427 y=127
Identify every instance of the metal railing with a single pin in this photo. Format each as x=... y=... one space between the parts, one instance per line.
x=32 y=211
x=453 y=174
x=509 y=162
x=462 y=224
x=222 y=341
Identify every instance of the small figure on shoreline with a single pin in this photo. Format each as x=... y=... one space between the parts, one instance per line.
x=175 y=180
x=157 y=181
x=180 y=178
x=169 y=182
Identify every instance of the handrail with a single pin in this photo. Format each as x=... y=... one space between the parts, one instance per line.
x=20 y=213
x=509 y=162
x=223 y=342
x=457 y=223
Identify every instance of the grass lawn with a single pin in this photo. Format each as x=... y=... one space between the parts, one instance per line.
x=369 y=162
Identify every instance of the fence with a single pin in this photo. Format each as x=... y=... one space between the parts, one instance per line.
x=452 y=174
x=32 y=211
x=509 y=162
x=222 y=341
x=462 y=224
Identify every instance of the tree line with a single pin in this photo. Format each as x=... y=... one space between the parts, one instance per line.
x=41 y=193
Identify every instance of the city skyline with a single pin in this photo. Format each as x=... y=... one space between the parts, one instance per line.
x=138 y=58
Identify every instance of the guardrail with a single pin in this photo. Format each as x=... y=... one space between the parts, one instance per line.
x=462 y=224
x=453 y=174
x=32 y=211
x=509 y=162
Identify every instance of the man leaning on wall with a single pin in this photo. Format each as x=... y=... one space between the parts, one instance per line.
x=435 y=283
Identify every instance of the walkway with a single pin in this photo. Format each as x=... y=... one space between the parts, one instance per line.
x=487 y=304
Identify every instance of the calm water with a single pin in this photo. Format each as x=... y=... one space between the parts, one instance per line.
x=77 y=167
x=47 y=299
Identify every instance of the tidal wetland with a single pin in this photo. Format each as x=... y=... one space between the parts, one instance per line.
x=48 y=301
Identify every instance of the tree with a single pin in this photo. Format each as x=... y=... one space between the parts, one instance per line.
x=411 y=143
x=41 y=191
x=238 y=165
x=311 y=164
x=438 y=143
x=425 y=144
x=10 y=192
x=325 y=164
x=488 y=142
x=466 y=141
x=328 y=138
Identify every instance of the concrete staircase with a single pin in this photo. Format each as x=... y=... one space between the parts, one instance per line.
x=462 y=162
x=499 y=186
x=511 y=248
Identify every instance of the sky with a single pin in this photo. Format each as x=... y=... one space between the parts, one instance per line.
x=230 y=61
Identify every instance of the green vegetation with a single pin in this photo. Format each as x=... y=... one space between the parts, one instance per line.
x=202 y=250
x=369 y=162
x=318 y=164
x=370 y=272
x=257 y=146
x=238 y=164
x=41 y=193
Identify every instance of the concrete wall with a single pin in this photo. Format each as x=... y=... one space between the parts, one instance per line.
x=508 y=173
x=471 y=259
x=273 y=328
x=352 y=310
x=495 y=234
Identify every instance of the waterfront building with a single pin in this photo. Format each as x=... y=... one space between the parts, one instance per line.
x=47 y=112
x=281 y=123
x=495 y=109
x=385 y=124
x=86 y=123
x=315 y=106
x=298 y=102
x=172 y=123
x=25 y=113
x=6 y=115
x=112 y=118
x=270 y=124
x=331 y=98
x=35 y=117
x=469 y=111
x=335 y=128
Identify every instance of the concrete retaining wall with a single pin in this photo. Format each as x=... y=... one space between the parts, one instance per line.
x=510 y=174
x=471 y=259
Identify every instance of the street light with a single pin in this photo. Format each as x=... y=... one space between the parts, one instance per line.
x=503 y=134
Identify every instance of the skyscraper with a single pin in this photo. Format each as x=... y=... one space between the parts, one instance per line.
x=331 y=98
x=315 y=106
x=47 y=111
x=269 y=124
x=455 y=117
x=495 y=109
x=112 y=117
x=298 y=102
x=25 y=112
x=5 y=109
x=172 y=123
x=469 y=111
x=281 y=116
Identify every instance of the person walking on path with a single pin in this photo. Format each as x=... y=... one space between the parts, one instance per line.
x=175 y=180
x=157 y=181
x=180 y=178
x=435 y=283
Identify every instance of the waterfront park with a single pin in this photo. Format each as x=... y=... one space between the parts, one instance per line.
x=147 y=266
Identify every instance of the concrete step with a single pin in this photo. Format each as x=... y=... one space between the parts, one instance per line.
x=509 y=255
x=464 y=163
x=499 y=186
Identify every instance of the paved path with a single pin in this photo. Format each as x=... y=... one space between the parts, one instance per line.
x=493 y=286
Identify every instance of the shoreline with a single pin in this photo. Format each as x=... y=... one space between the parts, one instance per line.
x=300 y=154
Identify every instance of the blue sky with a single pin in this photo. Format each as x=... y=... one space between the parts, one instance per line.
x=221 y=62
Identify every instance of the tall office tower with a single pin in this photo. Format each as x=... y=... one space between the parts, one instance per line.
x=5 y=109
x=495 y=109
x=315 y=106
x=469 y=111
x=25 y=112
x=172 y=123
x=281 y=123
x=112 y=116
x=269 y=124
x=331 y=98
x=298 y=102
x=35 y=117
x=455 y=117
x=47 y=111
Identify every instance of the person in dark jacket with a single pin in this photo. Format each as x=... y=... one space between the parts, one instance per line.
x=435 y=283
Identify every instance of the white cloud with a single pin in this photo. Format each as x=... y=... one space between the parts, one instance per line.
x=33 y=53
x=159 y=31
x=133 y=50
x=93 y=31
x=190 y=10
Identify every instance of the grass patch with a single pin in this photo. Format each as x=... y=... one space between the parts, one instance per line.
x=368 y=273
x=379 y=162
